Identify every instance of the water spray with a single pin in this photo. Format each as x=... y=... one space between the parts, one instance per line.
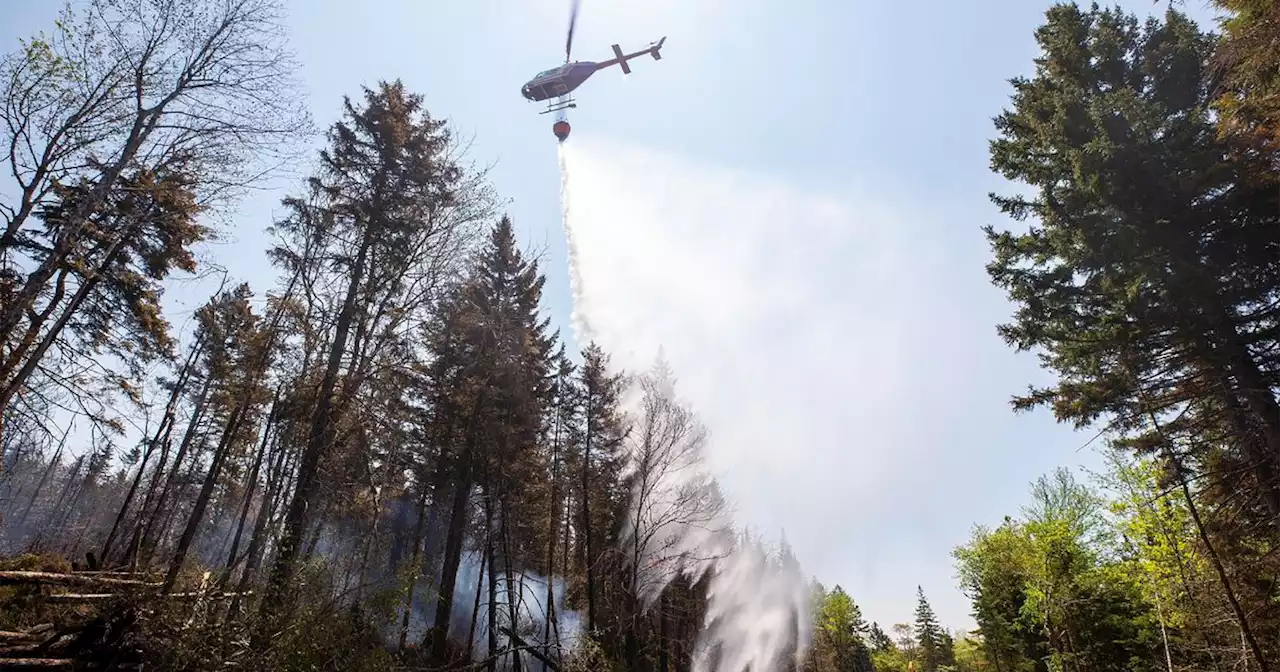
x=758 y=601
x=581 y=328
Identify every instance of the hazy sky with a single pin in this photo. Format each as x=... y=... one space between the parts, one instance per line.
x=789 y=202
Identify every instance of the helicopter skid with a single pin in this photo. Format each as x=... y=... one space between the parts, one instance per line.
x=556 y=107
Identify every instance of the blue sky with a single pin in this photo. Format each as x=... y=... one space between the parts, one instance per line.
x=856 y=134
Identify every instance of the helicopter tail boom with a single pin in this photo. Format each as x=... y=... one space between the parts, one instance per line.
x=620 y=59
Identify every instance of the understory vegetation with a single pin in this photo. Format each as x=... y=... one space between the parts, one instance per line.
x=389 y=460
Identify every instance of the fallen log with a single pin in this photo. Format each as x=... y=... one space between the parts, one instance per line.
x=110 y=573
x=551 y=664
x=103 y=597
x=13 y=650
x=9 y=578
x=36 y=663
x=7 y=635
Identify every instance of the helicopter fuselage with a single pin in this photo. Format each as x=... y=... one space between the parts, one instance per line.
x=561 y=81
x=558 y=82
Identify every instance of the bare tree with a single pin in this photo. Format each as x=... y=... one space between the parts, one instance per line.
x=203 y=87
x=676 y=512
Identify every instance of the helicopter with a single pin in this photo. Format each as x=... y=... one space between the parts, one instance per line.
x=559 y=82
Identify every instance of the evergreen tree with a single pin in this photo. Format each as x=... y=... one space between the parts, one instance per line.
x=601 y=436
x=1148 y=277
x=839 y=643
x=507 y=380
x=946 y=651
x=1143 y=277
x=377 y=212
x=879 y=641
x=928 y=634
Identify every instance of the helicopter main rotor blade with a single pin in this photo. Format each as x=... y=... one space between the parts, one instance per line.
x=573 y=20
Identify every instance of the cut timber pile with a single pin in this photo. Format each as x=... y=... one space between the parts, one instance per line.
x=29 y=649
x=100 y=642
x=11 y=578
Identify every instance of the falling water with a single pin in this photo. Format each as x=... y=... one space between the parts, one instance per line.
x=758 y=602
x=582 y=329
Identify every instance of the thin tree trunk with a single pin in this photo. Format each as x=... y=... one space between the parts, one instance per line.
x=664 y=637
x=1246 y=631
x=147 y=545
x=512 y=597
x=475 y=608
x=60 y=511
x=319 y=438
x=455 y=536
x=588 y=558
x=316 y=532
x=87 y=286
x=143 y=124
x=44 y=477
x=551 y=532
x=258 y=539
x=250 y=489
x=369 y=536
x=449 y=572
x=414 y=564
x=229 y=433
x=166 y=424
x=493 y=584
x=1164 y=632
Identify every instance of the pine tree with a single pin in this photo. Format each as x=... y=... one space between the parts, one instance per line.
x=601 y=436
x=878 y=640
x=1149 y=276
x=946 y=652
x=506 y=376
x=378 y=208
x=928 y=634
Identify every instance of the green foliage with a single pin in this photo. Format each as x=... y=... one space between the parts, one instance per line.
x=1150 y=235
x=1046 y=588
x=839 y=641
x=1146 y=278
x=928 y=634
x=890 y=660
x=877 y=639
x=969 y=654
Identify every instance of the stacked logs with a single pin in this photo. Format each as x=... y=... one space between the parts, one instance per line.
x=100 y=642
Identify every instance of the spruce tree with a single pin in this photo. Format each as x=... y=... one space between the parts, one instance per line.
x=878 y=640
x=504 y=388
x=1148 y=275
x=601 y=436
x=1249 y=91
x=374 y=213
x=928 y=634
x=946 y=651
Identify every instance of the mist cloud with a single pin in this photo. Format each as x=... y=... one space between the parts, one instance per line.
x=802 y=327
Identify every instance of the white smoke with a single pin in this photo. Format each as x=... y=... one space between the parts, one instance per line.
x=678 y=525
